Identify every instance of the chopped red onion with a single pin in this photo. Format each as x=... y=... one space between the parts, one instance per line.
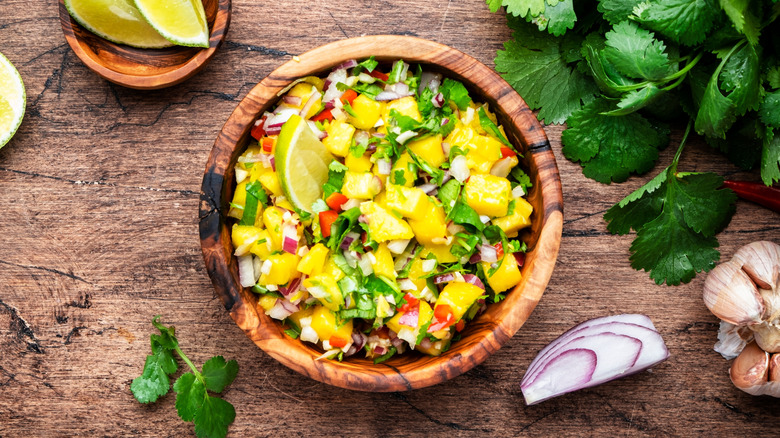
x=444 y=121
x=350 y=204
x=292 y=100
x=274 y=130
x=332 y=92
x=402 y=89
x=351 y=63
x=291 y=288
x=272 y=162
x=473 y=279
x=371 y=148
x=438 y=102
x=520 y=257
x=476 y=257
x=447 y=176
x=246 y=271
x=328 y=105
x=426 y=343
x=361 y=137
x=380 y=350
x=290 y=238
x=378 y=135
x=445 y=147
x=338 y=114
x=385 y=96
x=326 y=85
x=502 y=167
x=406 y=284
x=280 y=311
x=428 y=188
x=443 y=278
x=359 y=339
x=383 y=166
x=348 y=239
x=309 y=102
x=397 y=342
x=488 y=254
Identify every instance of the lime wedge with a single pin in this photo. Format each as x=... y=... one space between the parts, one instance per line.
x=301 y=163
x=116 y=20
x=12 y=100
x=181 y=22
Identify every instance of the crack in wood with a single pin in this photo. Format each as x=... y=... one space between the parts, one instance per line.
x=449 y=424
x=22 y=329
x=97 y=183
x=262 y=49
x=43 y=268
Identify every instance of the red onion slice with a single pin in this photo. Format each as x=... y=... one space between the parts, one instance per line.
x=347 y=64
x=292 y=100
x=473 y=279
x=438 y=101
x=594 y=352
x=290 y=239
x=443 y=278
x=428 y=188
x=488 y=254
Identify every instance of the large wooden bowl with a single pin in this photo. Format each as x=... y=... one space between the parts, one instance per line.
x=483 y=336
x=146 y=69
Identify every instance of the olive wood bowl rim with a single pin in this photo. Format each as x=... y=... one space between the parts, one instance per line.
x=490 y=330
x=218 y=30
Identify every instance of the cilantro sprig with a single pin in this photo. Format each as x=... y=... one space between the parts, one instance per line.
x=211 y=415
x=617 y=71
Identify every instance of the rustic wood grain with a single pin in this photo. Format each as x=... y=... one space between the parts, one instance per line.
x=146 y=69
x=485 y=334
x=99 y=193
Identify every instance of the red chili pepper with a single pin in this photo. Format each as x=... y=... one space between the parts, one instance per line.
x=268 y=144
x=323 y=115
x=257 y=131
x=506 y=152
x=379 y=75
x=759 y=193
x=411 y=302
x=336 y=200
x=499 y=250
x=337 y=342
x=349 y=96
x=326 y=220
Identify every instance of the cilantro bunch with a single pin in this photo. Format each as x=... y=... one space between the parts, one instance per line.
x=617 y=71
x=211 y=415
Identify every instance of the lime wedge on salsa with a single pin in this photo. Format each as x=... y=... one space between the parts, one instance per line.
x=12 y=100
x=301 y=163
x=118 y=21
x=181 y=22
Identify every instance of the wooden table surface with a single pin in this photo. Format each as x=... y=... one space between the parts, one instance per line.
x=99 y=217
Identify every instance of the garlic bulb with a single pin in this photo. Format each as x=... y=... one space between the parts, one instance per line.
x=745 y=294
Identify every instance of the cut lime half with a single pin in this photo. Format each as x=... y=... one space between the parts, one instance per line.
x=12 y=100
x=181 y=22
x=301 y=163
x=118 y=21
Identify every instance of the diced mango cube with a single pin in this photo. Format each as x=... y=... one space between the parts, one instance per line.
x=239 y=201
x=303 y=313
x=367 y=112
x=332 y=269
x=519 y=219
x=483 y=152
x=406 y=106
x=283 y=268
x=459 y=296
x=411 y=202
x=270 y=182
x=358 y=164
x=314 y=261
x=415 y=275
x=384 y=225
x=325 y=288
x=442 y=253
x=401 y=174
x=506 y=276
x=273 y=218
x=384 y=264
x=256 y=237
x=462 y=136
x=339 y=138
x=360 y=185
x=429 y=149
x=323 y=321
x=266 y=302
x=432 y=228
x=306 y=91
x=488 y=194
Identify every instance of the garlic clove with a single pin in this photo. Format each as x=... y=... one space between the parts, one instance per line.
x=774 y=368
x=767 y=336
x=761 y=261
x=732 y=296
x=732 y=339
x=750 y=369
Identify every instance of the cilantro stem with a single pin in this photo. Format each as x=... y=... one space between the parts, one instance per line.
x=685 y=69
x=190 y=364
x=673 y=166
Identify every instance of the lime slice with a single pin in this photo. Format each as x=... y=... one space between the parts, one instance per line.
x=12 y=100
x=301 y=163
x=116 y=20
x=181 y=22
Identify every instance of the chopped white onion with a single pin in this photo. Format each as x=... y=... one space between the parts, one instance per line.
x=385 y=96
x=428 y=188
x=409 y=335
x=404 y=136
x=488 y=254
x=383 y=166
x=484 y=219
x=459 y=168
x=397 y=246
x=406 y=284
x=428 y=265
x=366 y=78
x=454 y=228
x=350 y=204
x=502 y=167
x=351 y=81
x=518 y=192
x=366 y=266
x=246 y=271
x=241 y=174
x=279 y=310
x=333 y=93
x=338 y=114
x=243 y=249
x=257 y=264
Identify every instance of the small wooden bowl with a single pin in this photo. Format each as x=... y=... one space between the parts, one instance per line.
x=146 y=69
x=483 y=336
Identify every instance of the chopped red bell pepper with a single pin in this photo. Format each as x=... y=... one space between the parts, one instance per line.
x=336 y=200
x=268 y=144
x=337 y=342
x=258 y=130
x=411 y=317
x=379 y=75
x=460 y=325
x=411 y=301
x=442 y=318
x=349 y=96
x=499 y=250
x=326 y=220
x=506 y=152
x=759 y=193
x=323 y=115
